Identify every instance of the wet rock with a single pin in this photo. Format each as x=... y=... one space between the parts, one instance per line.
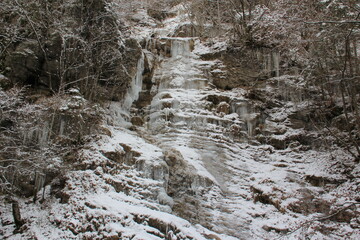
x=320 y=181
x=283 y=141
x=187 y=30
x=173 y=158
x=115 y=156
x=237 y=73
x=256 y=94
x=119 y=186
x=300 y=119
x=144 y=99
x=112 y=237
x=265 y=198
x=49 y=75
x=223 y=107
x=216 y=99
x=277 y=143
x=309 y=205
x=137 y=121
x=166 y=95
x=104 y=130
x=63 y=196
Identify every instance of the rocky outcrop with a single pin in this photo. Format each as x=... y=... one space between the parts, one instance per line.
x=243 y=66
x=25 y=63
x=65 y=121
x=86 y=51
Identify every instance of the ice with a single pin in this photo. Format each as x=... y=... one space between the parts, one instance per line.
x=120 y=112
x=136 y=85
x=180 y=47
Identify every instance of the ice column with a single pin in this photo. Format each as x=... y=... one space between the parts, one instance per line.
x=135 y=87
x=276 y=62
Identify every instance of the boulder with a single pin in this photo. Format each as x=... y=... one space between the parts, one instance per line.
x=5 y=83
x=300 y=119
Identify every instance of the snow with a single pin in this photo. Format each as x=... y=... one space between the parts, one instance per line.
x=202 y=49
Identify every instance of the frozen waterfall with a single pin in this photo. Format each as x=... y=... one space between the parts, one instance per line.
x=120 y=112
x=180 y=47
x=136 y=85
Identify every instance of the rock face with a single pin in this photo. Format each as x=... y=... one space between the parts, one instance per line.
x=90 y=56
x=25 y=62
x=243 y=67
x=71 y=118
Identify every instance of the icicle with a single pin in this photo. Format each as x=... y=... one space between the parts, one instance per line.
x=268 y=64
x=136 y=86
x=250 y=127
x=62 y=127
x=43 y=135
x=167 y=112
x=276 y=62
x=148 y=42
x=120 y=112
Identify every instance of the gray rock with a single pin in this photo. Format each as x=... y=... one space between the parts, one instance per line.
x=5 y=82
x=25 y=62
x=223 y=107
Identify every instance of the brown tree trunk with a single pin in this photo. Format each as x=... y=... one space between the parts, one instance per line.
x=16 y=214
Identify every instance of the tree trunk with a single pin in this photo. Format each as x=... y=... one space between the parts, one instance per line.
x=16 y=214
